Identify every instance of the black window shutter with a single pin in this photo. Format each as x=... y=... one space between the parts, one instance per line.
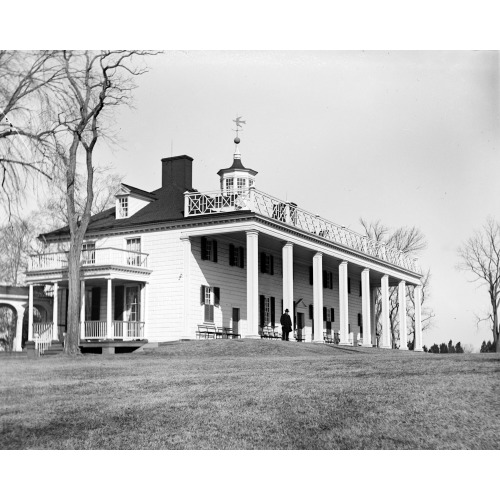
x=332 y=314
x=331 y=281
x=262 y=262
x=214 y=250
x=282 y=310
x=95 y=313
x=272 y=264
x=348 y=285
x=119 y=291
x=359 y=319
x=66 y=314
x=217 y=295
x=324 y=279
x=242 y=257
x=262 y=300
x=202 y=294
x=231 y=254
x=360 y=288
x=203 y=248
x=311 y=311
x=311 y=279
x=273 y=314
x=324 y=313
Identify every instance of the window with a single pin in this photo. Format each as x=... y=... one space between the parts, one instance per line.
x=267 y=311
x=240 y=184
x=328 y=279
x=250 y=182
x=209 y=298
x=266 y=263
x=123 y=206
x=208 y=249
x=92 y=304
x=88 y=254
x=134 y=247
x=229 y=184
x=236 y=256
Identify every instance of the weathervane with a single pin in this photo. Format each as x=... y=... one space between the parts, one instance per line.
x=239 y=127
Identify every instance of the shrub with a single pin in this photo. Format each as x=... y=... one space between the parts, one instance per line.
x=458 y=348
x=443 y=349
x=434 y=349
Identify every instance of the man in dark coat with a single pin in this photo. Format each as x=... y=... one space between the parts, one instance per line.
x=286 y=325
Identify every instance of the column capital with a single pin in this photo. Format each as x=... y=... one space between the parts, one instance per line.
x=288 y=244
x=317 y=255
x=365 y=270
x=252 y=232
x=185 y=238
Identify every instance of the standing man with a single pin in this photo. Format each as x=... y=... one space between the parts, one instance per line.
x=286 y=325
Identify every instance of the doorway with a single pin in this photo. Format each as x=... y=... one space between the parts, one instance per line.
x=236 y=320
x=300 y=327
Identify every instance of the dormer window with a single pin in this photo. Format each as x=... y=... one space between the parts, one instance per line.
x=123 y=206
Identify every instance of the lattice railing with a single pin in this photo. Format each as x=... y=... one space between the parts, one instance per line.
x=196 y=203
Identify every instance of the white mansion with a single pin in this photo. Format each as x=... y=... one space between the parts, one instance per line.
x=162 y=263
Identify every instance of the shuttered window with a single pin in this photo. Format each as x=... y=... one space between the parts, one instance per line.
x=236 y=256
x=209 y=298
x=266 y=263
x=208 y=249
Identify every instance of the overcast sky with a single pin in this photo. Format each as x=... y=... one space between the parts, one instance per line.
x=410 y=138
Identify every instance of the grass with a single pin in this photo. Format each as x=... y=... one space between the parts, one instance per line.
x=251 y=394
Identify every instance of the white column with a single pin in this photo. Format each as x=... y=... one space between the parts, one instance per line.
x=386 y=336
x=30 y=314
x=365 y=307
x=186 y=276
x=417 y=343
x=19 y=330
x=109 y=316
x=55 y=329
x=253 y=283
x=344 y=304
x=82 y=309
x=287 y=254
x=318 y=296
x=403 y=332
x=373 y=302
x=144 y=309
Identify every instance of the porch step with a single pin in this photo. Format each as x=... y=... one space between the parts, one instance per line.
x=54 y=348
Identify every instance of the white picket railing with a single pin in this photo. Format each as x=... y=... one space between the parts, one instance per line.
x=42 y=336
x=95 y=329
x=196 y=203
x=128 y=330
x=90 y=257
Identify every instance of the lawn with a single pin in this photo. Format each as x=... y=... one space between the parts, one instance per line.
x=251 y=394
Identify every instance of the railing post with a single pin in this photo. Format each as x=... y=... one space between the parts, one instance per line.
x=186 y=203
x=251 y=198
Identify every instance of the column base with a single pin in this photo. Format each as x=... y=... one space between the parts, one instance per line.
x=403 y=348
x=345 y=343
x=418 y=350
x=385 y=347
x=366 y=345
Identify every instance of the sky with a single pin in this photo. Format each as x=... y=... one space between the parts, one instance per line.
x=410 y=138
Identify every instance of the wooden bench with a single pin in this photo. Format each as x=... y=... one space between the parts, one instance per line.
x=327 y=337
x=267 y=332
x=299 y=337
x=206 y=331
x=230 y=334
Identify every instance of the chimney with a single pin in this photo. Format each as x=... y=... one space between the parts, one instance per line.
x=177 y=171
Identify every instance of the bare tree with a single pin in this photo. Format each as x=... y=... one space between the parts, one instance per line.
x=94 y=84
x=480 y=256
x=28 y=80
x=411 y=242
x=17 y=241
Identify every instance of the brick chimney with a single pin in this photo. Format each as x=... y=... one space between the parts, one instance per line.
x=177 y=171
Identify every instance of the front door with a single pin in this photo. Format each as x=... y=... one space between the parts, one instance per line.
x=300 y=326
x=131 y=311
x=236 y=320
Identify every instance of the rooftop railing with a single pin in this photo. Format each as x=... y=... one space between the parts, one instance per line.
x=89 y=257
x=196 y=203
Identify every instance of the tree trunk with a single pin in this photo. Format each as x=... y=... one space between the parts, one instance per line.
x=71 y=346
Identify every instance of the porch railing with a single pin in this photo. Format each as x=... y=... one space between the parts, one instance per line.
x=125 y=330
x=42 y=336
x=196 y=203
x=92 y=257
x=95 y=329
x=128 y=330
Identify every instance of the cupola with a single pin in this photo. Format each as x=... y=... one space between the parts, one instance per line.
x=236 y=178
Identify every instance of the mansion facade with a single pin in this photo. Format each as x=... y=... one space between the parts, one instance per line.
x=161 y=263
